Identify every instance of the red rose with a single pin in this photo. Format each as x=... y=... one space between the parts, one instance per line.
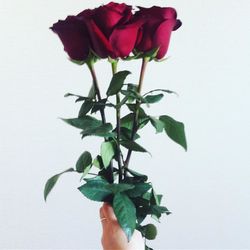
x=108 y=31
x=156 y=30
x=74 y=36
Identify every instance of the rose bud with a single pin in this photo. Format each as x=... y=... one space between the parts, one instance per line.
x=156 y=30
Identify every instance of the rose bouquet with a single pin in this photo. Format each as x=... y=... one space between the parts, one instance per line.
x=117 y=32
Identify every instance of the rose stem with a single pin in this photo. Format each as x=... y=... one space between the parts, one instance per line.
x=118 y=122
x=136 y=116
x=97 y=90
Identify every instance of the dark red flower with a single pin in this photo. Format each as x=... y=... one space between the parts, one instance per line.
x=156 y=30
x=74 y=36
x=108 y=30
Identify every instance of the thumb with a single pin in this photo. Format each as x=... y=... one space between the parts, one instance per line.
x=109 y=212
x=103 y=218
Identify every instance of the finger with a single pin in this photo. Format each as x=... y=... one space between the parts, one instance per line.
x=102 y=218
x=101 y=212
x=109 y=212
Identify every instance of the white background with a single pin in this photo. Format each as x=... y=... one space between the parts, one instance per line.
x=207 y=188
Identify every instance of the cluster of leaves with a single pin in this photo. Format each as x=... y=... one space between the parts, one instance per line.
x=132 y=199
x=131 y=195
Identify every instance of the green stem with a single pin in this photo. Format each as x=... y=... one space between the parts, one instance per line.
x=99 y=98
x=97 y=90
x=118 y=125
x=114 y=64
x=136 y=115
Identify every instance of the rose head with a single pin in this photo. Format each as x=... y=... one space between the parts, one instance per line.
x=156 y=30
x=107 y=31
x=74 y=36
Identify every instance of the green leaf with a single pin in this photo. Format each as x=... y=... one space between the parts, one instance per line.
x=161 y=90
x=84 y=161
x=102 y=131
x=117 y=82
x=79 y=97
x=153 y=98
x=139 y=176
x=141 y=214
x=121 y=187
x=158 y=124
x=134 y=88
x=130 y=58
x=150 y=231
x=141 y=202
x=125 y=212
x=138 y=190
x=158 y=210
x=105 y=173
x=142 y=208
x=99 y=105
x=85 y=172
x=132 y=107
x=92 y=92
x=107 y=152
x=154 y=199
x=175 y=130
x=122 y=102
x=143 y=122
x=97 y=162
x=159 y=198
x=52 y=181
x=83 y=122
x=85 y=108
x=126 y=134
x=133 y=146
x=151 y=54
x=128 y=120
x=132 y=95
x=77 y=61
x=96 y=189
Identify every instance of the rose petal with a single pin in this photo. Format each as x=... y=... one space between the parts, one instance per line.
x=74 y=37
x=139 y=37
x=106 y=19
x=108 y=16
x=124 y=9
x=119 y=7
x=144 y=42
x=168 y=13
x=123 y=39
x=177 y=25
x=162 y=37
x=157 y=12
x=86 y=14
x=100 y=43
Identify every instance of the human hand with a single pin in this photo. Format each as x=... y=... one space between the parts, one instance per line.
x=113 y=237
